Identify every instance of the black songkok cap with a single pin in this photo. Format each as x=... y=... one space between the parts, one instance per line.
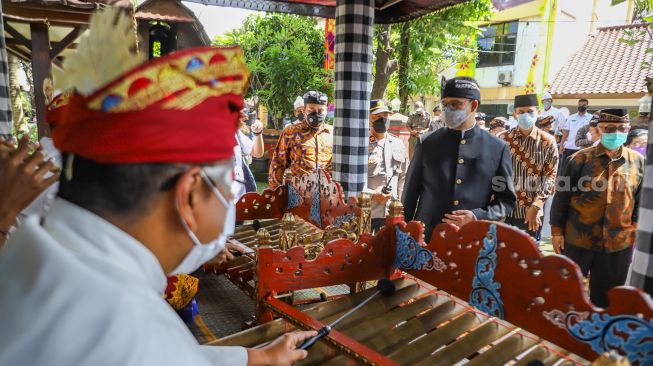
x=314 y=97
x=462 y=87
x=618 y=115
x=528 y=100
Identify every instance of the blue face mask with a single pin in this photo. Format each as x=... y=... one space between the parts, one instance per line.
x=526 y=120
x=613 y=141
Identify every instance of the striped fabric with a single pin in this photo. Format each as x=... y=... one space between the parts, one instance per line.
x=5 y=103
x=641 y=270
x=534 y=162
x=354 y=20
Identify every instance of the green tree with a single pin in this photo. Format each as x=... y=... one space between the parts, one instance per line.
x=642 y=13
x=285 y=55
x=17 y=112
x=411 y=56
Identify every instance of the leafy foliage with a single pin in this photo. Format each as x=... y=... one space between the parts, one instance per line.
x=435 y=42
x=285 y=54
x=642 y=13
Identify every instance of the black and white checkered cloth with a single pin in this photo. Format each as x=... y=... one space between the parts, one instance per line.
x=641 y=270
x=5 y=102
x=353 y=49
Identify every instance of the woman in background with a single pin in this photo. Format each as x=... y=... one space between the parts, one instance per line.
x=637 y=140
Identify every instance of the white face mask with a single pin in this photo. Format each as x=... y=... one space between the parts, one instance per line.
x=546 y=105
x=454 y=118
x=202 y=253
x=526 y=120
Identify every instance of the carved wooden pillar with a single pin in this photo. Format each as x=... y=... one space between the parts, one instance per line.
x=40 y=71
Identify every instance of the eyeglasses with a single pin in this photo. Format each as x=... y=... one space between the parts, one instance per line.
x=613 y=129
x=214 y=188
x=454 y=104
x=210 y=175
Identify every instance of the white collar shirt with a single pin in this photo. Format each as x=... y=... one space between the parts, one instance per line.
x=77 y=290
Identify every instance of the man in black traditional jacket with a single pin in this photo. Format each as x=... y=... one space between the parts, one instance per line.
x=459 y=173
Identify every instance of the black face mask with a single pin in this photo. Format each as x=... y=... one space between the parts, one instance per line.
x=582 y=109
x=300 y=116
x=315 y=119
x=380 y=125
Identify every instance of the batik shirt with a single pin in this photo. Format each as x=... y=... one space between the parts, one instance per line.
x=534 y=162
x=595 y=206
x=302 y=149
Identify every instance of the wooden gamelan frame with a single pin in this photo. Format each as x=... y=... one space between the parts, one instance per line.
x=494 y=267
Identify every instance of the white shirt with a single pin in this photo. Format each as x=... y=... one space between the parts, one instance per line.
x=462 y=133
x=558 y=117
x=572 y=124
x=41 y=204
x=80 y=291
x=512 y=123
x=244 y=147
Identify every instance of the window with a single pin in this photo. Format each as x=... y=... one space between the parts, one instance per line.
x=497 y=45
x=493 y=110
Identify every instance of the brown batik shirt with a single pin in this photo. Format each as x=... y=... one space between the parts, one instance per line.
x=534 y=162
x=302 y=149
x=595 y=206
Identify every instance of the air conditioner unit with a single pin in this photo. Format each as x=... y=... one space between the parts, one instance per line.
x=504 y=77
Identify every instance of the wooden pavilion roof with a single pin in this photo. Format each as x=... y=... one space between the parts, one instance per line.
x=67 y=19
x=387 y=11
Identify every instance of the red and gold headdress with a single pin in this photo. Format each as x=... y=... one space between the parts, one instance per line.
x=180 y=108
x=55 y=111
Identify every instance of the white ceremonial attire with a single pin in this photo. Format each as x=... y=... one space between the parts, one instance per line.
x=558 y=117
x=79 y=291
x=43 y=201
x=573 y=124
x=241 y=150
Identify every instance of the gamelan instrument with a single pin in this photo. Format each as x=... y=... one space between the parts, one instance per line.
x=384 y=287
x=308 y=212
x=480 y=295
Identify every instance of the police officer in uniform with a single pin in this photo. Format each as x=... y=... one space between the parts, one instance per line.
x=436 y=119
x=459 y=173
x=387 y=160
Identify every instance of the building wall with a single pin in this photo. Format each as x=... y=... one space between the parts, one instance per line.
x=632 y=104
x=575 y=20
x=527 y=40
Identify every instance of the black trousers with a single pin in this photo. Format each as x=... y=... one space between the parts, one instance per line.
x=606 y=270
x=519 y=223
x=563 y=159
x=377 y=224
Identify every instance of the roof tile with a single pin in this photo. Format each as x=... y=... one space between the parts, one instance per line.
x=605 y=65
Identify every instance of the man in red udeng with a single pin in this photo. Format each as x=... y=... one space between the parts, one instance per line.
x=145 y=193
